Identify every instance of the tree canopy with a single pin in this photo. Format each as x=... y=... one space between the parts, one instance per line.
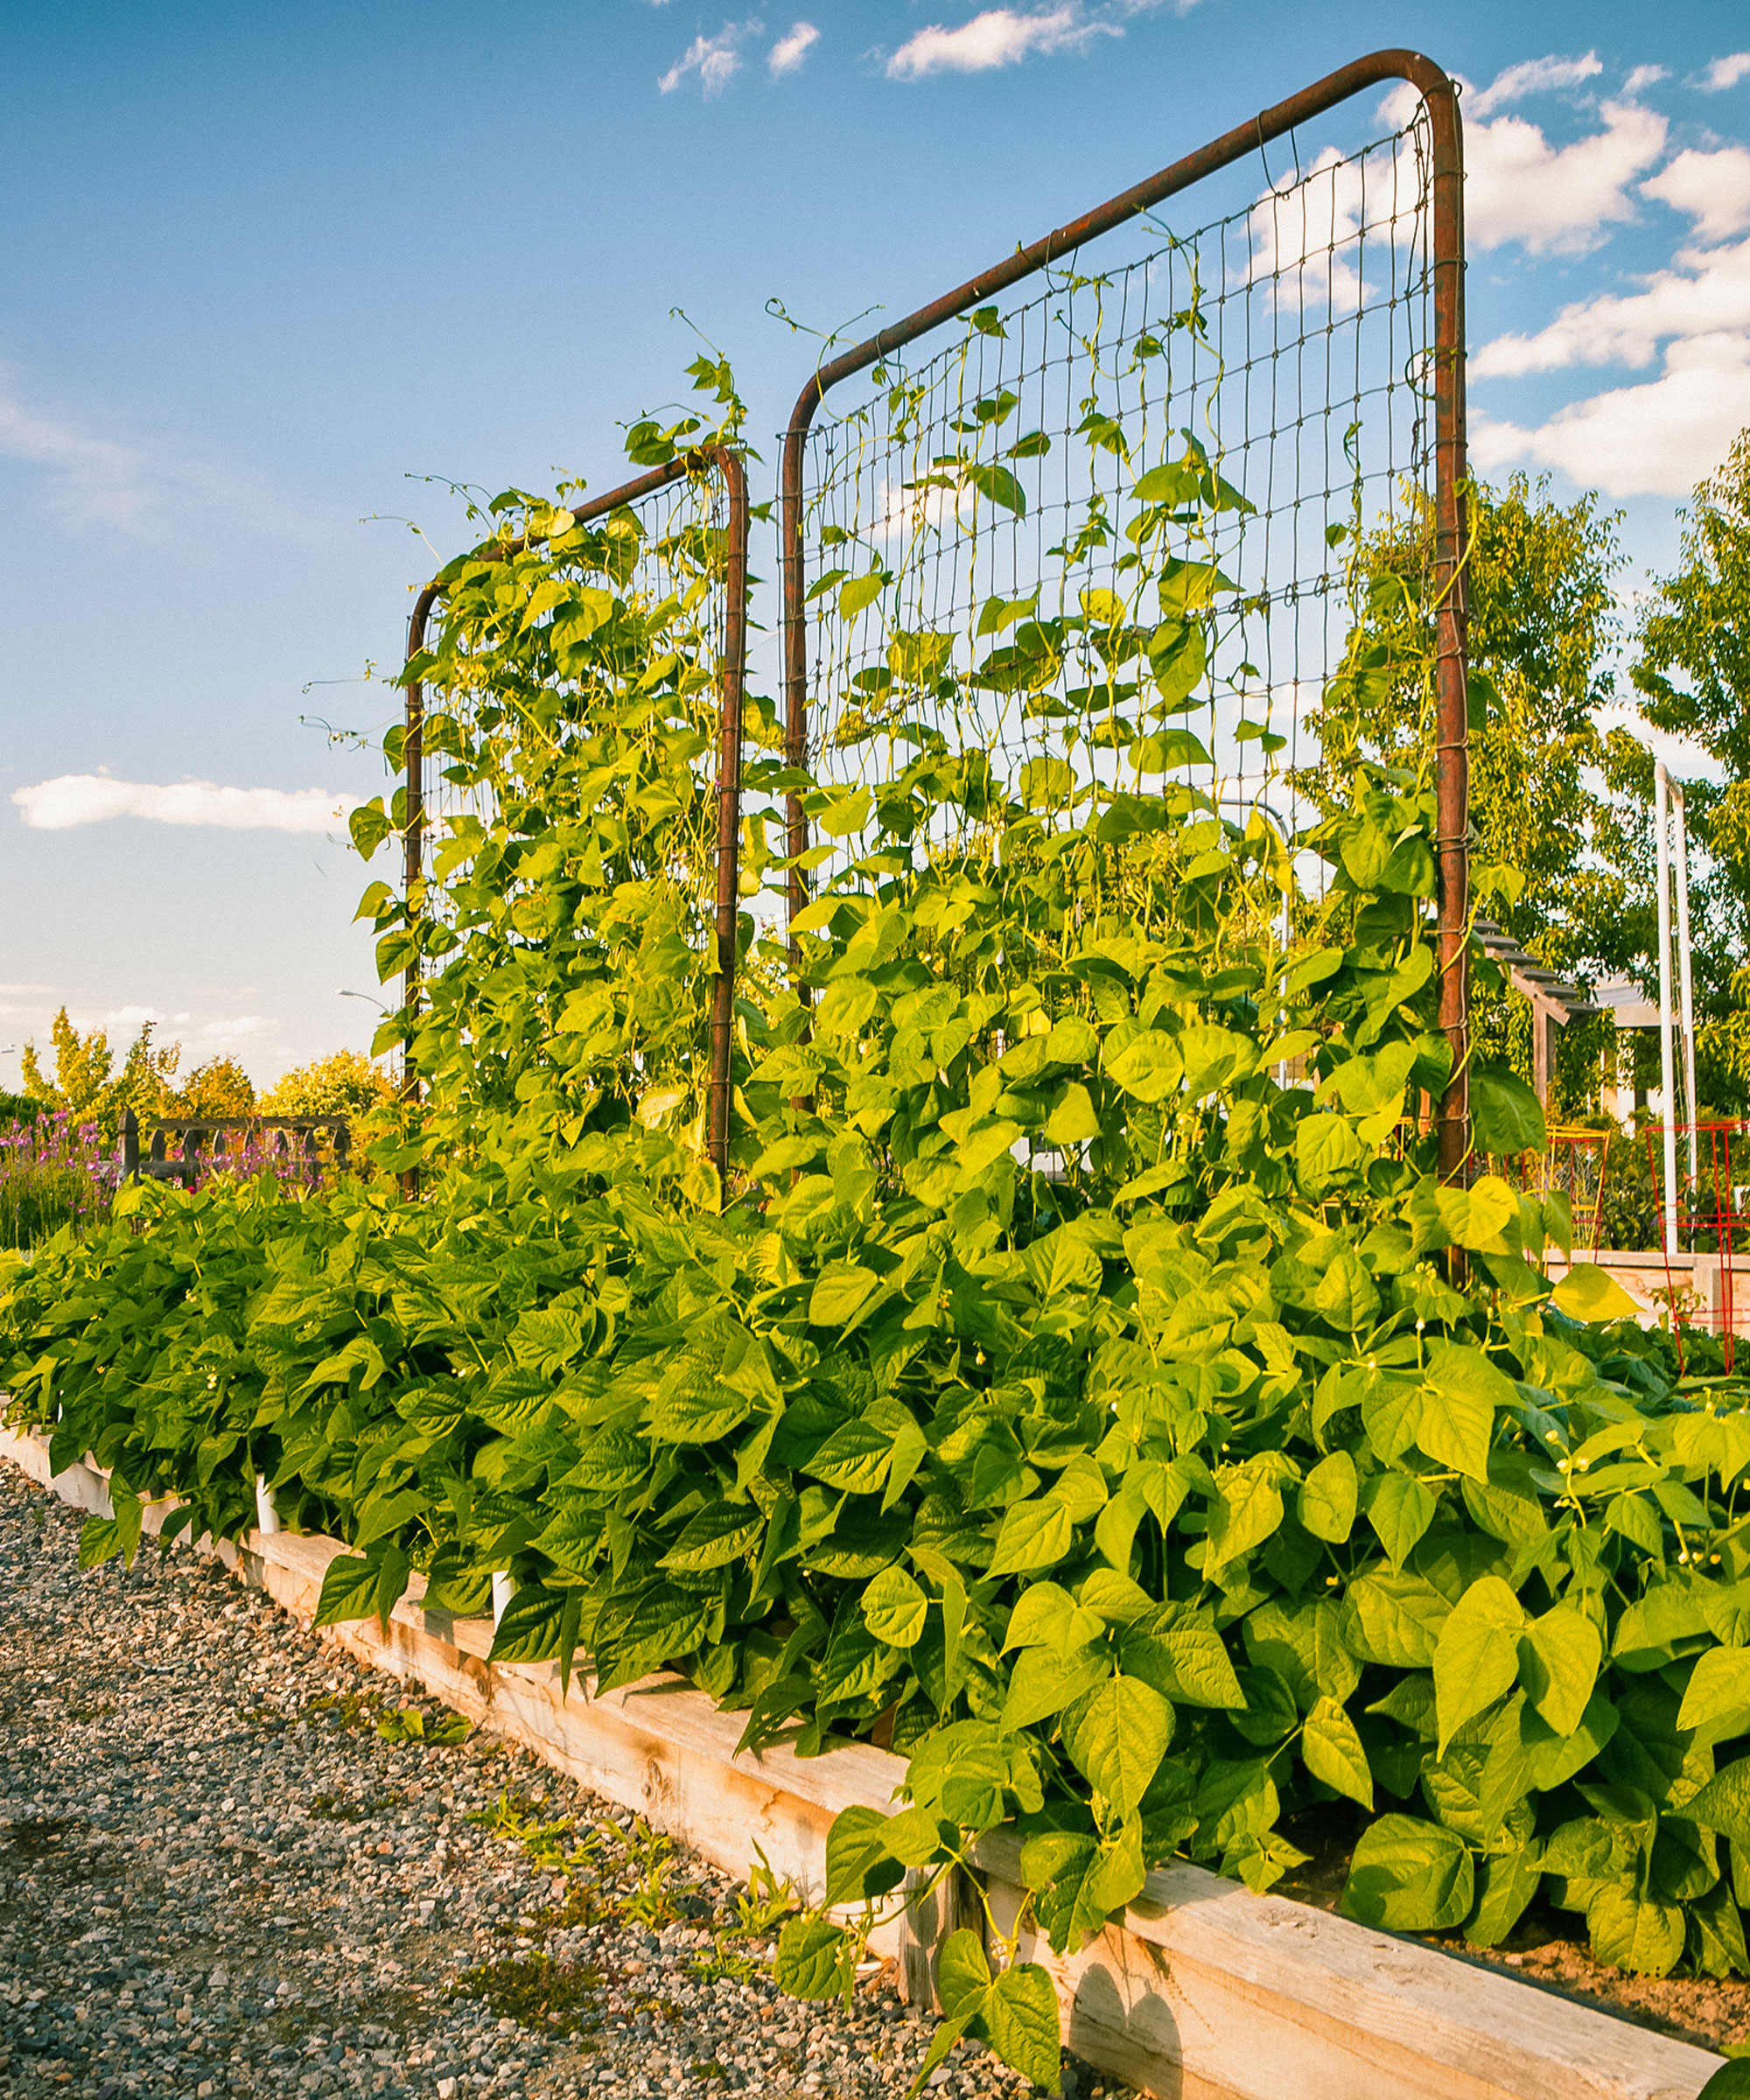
x=86 y=1085
x=1692 y=674
x=1555 y=845
x=344 y=1084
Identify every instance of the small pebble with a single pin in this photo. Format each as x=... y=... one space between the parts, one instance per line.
x=217 y=1879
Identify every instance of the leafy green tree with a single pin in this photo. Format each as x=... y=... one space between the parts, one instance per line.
x=1557 y=862
x=221 y=1087
x=1693 y=677
x=86 y=1085
x=82 y=1066
x=344 y=1084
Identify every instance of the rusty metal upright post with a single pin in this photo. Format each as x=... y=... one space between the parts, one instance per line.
x=733 y=676
x=1453 y=762
x=1452 y=756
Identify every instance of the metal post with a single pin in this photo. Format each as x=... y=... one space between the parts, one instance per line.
x=1451 y=747
x=1686 y=984
x=1666 y=1071
x=732 y=678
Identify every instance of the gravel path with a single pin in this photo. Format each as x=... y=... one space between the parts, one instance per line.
x=218 y=1879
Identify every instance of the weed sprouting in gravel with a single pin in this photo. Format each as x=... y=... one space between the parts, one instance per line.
x=535 y=1990
x=409 y=1725
x=352 y=1808
x=350 y=1709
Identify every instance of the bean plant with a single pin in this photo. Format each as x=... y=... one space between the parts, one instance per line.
x=1080 y=1385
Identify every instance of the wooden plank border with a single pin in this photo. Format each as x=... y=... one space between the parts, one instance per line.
x=1205 y=1992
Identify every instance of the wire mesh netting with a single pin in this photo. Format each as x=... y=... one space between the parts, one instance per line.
x=1115 y=534
x=584 y=682
x=663 y=560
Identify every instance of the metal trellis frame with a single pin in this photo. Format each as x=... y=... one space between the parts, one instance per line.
x=725 y=463
x=1429 y=307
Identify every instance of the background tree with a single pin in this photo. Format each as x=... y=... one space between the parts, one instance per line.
x=344 y=1084
x=1693 y=676
x=86 y=1085
x=221 y=1087
x=88 y=1088
x=1555 y=858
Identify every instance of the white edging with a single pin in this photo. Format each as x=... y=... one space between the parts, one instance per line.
x=1205 y=1993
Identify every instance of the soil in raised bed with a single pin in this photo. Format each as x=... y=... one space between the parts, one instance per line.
x=1547 y=1948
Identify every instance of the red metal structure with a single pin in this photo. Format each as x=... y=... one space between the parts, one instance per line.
x=1573 y=1165
x=1707 y=1215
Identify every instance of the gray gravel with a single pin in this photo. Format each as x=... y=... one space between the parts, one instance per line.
x=217 y=1879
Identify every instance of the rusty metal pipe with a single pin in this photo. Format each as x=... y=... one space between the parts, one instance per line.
x=1451 y=758
x=727 y=462
x=730 y=465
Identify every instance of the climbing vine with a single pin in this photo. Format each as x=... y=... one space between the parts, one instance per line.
x=1069 y=1387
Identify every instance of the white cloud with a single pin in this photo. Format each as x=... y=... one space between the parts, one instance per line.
x=246 y=1028
x=998 y=37
x=1644 y=77
x=1003 y=36
x=1724 y=73
x=129 y=1020
x=1533 y=76
x=143 y=492
x=1706 y=291
x=903 y=511
x=1556 y=199
x=95 y=481
x=1659 y=438
x=1713 y=188
x=789 y=52
x=72 y=799
x=716 y=60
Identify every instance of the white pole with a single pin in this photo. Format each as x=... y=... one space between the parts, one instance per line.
x=1666 y=1073
x=1686 y=981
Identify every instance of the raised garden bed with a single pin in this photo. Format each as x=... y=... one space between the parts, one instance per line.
x=1205 y=1993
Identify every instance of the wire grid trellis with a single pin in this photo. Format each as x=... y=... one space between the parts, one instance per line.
x=672 y=549
x=1254 y=399
x=663 y=550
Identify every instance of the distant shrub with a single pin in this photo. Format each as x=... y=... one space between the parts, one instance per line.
x=53 y=1173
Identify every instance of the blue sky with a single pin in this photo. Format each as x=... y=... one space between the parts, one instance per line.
x=260 y=264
